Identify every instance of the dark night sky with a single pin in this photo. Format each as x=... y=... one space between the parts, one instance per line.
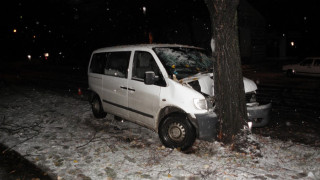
x=289 y=15
x=78 y=26
x=74 y=28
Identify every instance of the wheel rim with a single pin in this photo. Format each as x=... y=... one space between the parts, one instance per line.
x=176 y=132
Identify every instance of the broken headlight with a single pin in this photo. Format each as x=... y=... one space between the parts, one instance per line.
x=251 y=97
x=210 y=102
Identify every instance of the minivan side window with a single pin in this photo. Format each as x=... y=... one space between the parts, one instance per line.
x=98 y=63
x=142 y=62
x=117 y=64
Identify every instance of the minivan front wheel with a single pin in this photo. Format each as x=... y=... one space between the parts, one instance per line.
x=96 y=107
x=177 y=132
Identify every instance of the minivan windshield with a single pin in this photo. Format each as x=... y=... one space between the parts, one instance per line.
x=184 y=62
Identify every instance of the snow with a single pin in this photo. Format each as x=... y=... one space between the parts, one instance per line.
x=57 y=132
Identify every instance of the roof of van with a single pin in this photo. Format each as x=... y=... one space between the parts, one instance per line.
x=141 y=46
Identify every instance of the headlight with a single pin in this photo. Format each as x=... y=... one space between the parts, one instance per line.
x=200 y=104
x=253 y=98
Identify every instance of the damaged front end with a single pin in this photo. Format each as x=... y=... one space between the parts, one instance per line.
x=258 y=114
x=206 y=123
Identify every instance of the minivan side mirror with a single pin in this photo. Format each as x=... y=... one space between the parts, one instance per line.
x=150 y=78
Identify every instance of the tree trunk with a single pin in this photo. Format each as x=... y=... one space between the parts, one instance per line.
x=228 y=81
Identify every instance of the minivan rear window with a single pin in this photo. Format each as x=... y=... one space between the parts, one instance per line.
x=98 y=63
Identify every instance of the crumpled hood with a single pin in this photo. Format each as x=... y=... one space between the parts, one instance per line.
x=207 y=85
x=249 y=85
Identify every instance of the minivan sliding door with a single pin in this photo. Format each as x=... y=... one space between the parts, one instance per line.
x=115 y=83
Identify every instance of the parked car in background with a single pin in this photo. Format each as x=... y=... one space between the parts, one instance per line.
x=167 y=88
x=310 y=66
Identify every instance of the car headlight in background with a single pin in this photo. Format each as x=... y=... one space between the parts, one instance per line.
x=200 y=104
x=46 y=55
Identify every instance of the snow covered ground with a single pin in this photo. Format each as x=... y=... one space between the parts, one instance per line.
x=57 y=132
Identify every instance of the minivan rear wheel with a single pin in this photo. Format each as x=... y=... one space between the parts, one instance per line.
x=177 y=132
x=97 y=109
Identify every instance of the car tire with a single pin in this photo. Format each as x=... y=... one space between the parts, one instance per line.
x=290 y=72
x=96 y=107
x=177 y=132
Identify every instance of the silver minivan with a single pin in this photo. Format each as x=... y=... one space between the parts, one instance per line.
x=167 y=88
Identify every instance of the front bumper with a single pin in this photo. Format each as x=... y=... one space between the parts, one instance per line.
x=259 y=115
x=206 y=125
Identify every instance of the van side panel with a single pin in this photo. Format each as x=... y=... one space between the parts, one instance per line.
x=95 y=69
x=115 y=95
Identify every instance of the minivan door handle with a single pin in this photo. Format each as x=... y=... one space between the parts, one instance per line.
x=130 y=89
x=123 y=87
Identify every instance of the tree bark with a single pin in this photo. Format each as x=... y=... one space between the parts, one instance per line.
x=228 y=80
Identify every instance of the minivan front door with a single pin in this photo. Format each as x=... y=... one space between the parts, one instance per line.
x=143 y=100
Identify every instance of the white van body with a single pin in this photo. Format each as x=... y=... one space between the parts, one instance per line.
x=178 y=103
